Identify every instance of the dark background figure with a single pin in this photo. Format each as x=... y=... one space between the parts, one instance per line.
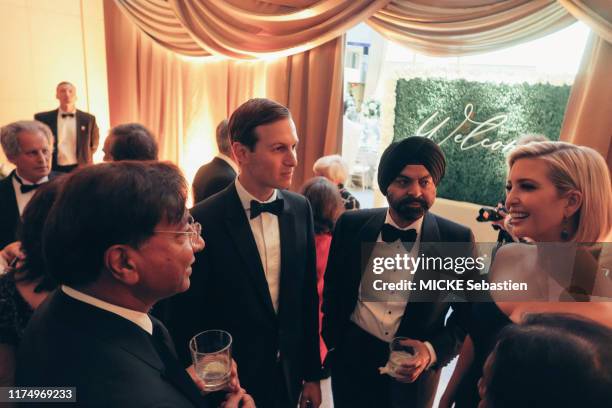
x=220 y=172
x=549 y=361
x=256 y=278
x=327 y=206
x=130 y=141
x=25 y=287
x=28 y=145
x=75 y=132
x=358 y=329
x=117 y=239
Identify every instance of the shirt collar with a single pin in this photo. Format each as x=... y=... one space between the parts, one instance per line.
x=27 y=182
x=140 y=319
x=229 y=161
x=417 y=225
x=246 y=197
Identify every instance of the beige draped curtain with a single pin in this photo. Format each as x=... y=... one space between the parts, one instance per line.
x=182 y=99
x=588 y=118
x=296 y=52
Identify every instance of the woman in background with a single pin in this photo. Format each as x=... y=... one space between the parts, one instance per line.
x=335 y=170
x=25 y=287
x=326 y=206
x=556 y=193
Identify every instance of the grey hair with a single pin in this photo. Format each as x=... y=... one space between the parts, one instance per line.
x=331 y=167
x=9 y=135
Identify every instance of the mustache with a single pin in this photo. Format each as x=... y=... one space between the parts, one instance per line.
x=411 y=200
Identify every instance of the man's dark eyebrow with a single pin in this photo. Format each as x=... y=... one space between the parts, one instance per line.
x=410 y=178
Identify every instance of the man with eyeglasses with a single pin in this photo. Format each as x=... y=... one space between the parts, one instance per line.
x=256 y=278
x=117 y=240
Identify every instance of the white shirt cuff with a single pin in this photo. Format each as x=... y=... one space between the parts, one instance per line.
x=432 y=354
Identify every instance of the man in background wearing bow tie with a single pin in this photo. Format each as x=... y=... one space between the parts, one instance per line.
x=76 y=133
x=256 y=278
x=28 y=145
x=358 y=329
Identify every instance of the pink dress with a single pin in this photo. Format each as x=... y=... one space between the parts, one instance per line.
x=322 y=244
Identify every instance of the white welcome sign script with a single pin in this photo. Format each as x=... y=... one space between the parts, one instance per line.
x=472 y=139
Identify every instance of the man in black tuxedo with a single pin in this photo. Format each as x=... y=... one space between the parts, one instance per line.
x=28 y=145
x=117 y=240
x=256 y=278
x=358 y=325
x=220 y=172
x=76 y=133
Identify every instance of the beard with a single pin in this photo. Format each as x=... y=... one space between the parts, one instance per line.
x=405 y=209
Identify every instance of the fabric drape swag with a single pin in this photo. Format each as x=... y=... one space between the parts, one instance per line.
x=286 y=39
x=183 y=99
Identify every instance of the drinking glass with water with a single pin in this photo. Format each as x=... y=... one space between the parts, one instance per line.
x=398 y=354
x=211 y=352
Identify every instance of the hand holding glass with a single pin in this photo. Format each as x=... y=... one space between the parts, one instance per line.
x=399 y=354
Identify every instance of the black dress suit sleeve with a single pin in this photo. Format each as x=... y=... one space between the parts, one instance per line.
x=448 y=341
x=333 y=289
x=310 y=302
x=95 y=135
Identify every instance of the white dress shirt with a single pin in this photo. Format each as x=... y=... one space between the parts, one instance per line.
x=24 y=198
x=381 y=317
x=265 y=229
x=66 y=139
x=140 y=319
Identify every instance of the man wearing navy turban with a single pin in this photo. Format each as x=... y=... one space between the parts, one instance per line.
x=358 y=323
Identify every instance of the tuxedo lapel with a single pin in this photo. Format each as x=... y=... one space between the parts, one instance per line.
x=52 y=122
x=82 y=141
x=173 y=372
x=240 y=231
x=286 y=223
x=52 y=119
x=8 y=193
x=10 y=221
x=368 y=234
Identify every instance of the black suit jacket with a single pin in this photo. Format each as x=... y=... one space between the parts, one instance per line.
x=86 y=131
x=9 y=212
x=111 y=361
x=212 y=178
x=10 y=221
x=424 y=321
x=229 y=291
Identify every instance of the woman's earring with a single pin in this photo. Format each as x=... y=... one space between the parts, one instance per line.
x=564 y=232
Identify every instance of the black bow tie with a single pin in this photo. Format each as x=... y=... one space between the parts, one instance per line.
x=26 y=188
x=275 y=207
x=67 y=115
x=391 y=234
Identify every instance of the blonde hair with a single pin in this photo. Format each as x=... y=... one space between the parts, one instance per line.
x=578 y=168
x=332 y=167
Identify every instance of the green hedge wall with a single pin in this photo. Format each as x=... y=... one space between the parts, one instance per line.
x=477 y=175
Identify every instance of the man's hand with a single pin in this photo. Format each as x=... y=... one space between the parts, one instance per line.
x=239 y=399
x=409 y=372
x=233 y=386
x=311 y=392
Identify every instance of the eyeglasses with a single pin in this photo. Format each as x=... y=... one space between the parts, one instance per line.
x=195 y=231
